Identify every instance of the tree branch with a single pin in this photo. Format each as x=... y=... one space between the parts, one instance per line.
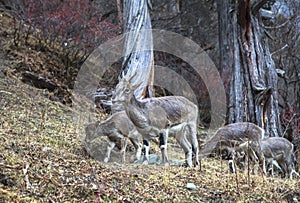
x=118 y=2
x=282 y=48
x=256 y=5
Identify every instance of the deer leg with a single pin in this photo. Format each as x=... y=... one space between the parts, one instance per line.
x=243 y=157
x=290 y=168
x=186 y=146
x=123 y=140
x=110 y=146
x=274 y=163
x=123 y=150
x=294 y=171
x=257 y=160
x=231 y=160
x=147 y=148
x=264 y=166
x=133 y=136
x=192 y=131
x=282 y=165
x=231 y=166
x=137 y=147
x=272 y=167
x=163 y=139
x=294 y=164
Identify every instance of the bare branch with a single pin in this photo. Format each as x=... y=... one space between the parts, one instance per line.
x=279 y=50
x=119 y=11
x=286 y=128
x=278 y=26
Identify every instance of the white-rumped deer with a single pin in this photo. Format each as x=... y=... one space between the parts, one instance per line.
x=160 y=117
x=118 y=129
x=231 y=138
x=282 y=151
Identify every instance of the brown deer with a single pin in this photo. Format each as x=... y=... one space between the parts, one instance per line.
x=118 y=129
x=160 y=117
x=231 y=140
x=282 y=151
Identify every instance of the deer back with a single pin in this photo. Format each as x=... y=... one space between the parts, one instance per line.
x=117 y=122
x=233 y=135
x=273 y=147
x=167 y=111
x=122 y=123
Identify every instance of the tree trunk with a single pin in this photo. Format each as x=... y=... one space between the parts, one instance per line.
x=140 y=63
x=137 y=64
x=246 y=62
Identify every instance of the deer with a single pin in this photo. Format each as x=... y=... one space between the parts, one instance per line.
x=230 y=139
x=161 y=117
x=118 y=128
x=280 y=150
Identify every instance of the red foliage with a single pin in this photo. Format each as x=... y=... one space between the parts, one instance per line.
x=290 y=118
x=76 y=24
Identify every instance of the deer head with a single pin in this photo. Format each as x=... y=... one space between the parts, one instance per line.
x=125 y=89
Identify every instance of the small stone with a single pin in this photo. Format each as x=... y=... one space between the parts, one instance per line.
x=191 y=186
x=45 y=149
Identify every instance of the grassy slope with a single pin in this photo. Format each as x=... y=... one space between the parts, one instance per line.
x=42 y=160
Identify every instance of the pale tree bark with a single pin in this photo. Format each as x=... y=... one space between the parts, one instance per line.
x=247 y=66
x=137 y=64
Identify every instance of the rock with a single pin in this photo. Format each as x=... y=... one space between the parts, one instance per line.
x=191 y=186
x=153 y=159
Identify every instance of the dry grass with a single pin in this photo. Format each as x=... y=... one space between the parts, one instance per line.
x=43 y=160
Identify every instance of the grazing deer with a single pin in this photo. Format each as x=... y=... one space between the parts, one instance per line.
x=118 y=128
x=282 y=151
x=242 y=160
x=231 y=139
x=160 y=117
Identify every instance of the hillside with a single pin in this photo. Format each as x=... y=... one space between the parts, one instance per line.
x=42 y=159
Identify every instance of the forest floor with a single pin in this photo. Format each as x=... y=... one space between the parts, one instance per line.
x=43 y=158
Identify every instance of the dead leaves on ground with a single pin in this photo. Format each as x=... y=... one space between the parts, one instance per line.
x=42 y=160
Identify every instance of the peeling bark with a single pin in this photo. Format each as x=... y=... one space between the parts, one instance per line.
x=140 y=64
x=137 y=64
x=245 y=57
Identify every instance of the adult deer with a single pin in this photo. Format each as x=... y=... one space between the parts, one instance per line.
x=160 y=117
x=117 y=128
x=231 y=138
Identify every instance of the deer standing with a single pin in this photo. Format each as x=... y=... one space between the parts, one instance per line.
x=160 y=117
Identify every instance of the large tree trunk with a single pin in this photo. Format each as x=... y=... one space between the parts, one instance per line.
x=137 y=64
x=140 y=63
x=246 y=62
